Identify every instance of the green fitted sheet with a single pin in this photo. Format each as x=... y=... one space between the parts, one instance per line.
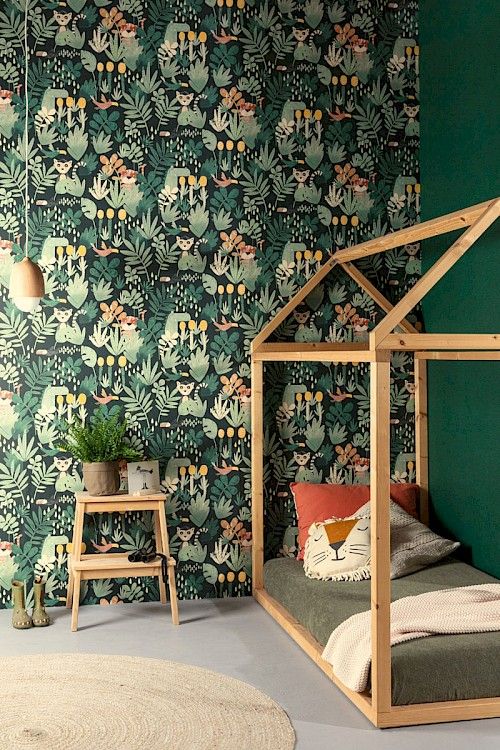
x=436 y=668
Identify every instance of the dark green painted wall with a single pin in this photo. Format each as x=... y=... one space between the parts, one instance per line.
x=460 y=166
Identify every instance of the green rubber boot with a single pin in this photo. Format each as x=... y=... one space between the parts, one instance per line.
x=20 y=618
x=40 y=616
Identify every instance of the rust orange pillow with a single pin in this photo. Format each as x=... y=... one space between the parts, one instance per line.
x=315 y=503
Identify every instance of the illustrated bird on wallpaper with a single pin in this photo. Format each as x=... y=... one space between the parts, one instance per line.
x=105 y=103
x=339 y=396
x=225 y=325
x=224 y=38
x=338 y=116
x=104 y=546
x=224 y=181
x=104 y=398
x=225 y=469
x=104 y=250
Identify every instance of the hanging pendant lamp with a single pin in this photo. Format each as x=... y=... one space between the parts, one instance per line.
x=27 y=286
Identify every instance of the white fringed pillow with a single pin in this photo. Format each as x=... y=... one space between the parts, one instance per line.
x=339 y=549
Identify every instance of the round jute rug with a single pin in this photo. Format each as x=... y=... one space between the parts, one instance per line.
x=70 y=701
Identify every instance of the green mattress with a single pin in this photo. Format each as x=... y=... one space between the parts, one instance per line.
x=436 y=668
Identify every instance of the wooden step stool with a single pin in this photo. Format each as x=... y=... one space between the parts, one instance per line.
x=116 y=565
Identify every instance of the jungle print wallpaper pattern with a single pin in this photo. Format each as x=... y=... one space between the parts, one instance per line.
x=192 y=163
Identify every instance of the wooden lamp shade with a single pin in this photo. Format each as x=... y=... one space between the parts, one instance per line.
x=27 y=286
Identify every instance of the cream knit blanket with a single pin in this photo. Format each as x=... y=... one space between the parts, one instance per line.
x=468 y=609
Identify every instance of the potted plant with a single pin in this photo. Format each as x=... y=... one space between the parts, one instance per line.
x=99 y=445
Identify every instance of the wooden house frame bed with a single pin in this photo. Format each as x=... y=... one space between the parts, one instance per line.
x=382 y=342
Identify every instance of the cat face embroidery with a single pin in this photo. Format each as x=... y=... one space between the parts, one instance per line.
x=300 y=35
x=62 y=316
x=62 y=19
x=63 y=464
x=345 y=542
x=184 y=100
x=412 y=250
x=301 y=459
x=185 y=244
x=62 y=167
x=185 y=389
x=301 y=175
x=411 y=110
x=185 y=532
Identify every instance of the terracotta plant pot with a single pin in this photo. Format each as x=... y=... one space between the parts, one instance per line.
x=102 y=478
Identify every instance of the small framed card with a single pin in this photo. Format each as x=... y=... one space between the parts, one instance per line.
x=143 y=477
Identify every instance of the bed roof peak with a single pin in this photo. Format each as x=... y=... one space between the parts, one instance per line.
x=478 y=218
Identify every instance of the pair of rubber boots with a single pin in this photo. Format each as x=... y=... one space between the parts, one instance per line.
x=21 y=620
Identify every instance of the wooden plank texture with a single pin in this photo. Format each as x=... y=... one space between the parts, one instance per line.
x=257 y=374
x=420 y=341
x=421 y=438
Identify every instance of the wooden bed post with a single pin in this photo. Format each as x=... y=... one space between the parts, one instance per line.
x=421 y=437
x=380 y=470
x=257 y=459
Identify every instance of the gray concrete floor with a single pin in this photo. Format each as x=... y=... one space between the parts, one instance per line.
x=236 y=637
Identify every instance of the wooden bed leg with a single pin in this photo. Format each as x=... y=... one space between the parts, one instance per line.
x=421 y=437
x=380 y=533
x=257 y=475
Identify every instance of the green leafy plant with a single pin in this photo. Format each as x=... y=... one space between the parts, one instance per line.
x=103 y=439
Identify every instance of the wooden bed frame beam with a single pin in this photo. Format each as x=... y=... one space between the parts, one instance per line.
x=453 y=347
x=421 y=341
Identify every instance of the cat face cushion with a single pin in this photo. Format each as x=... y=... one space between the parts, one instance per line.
x=338 y=549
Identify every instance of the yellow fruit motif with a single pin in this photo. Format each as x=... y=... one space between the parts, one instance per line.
x=100 y=361
x=230 y=288
x=203 y=325
x=343 y=80
x=110 y=213
x=110 y=360
x=318 y=396
x=230 y=432
x=82 y=399
x=60 y=549
x=202 y=181
x=122 y=67
x=241 y=146
x=60 y=101
x=60 y=400
x=82 y=102
x=122 y=214
x=70 y=399
x=100 y=67
x=221 y=577
x=82 y=250
x=220 y=432
x=308 y=255
x=299 y=396
x=343 y=220
x=70 y=250
x=318 y=255
x=242 y=576
x=354 y=80
x=318 y=114
x=122 y=360
x=220 y=145
x=241 y=289
x=220 y=289
x=335 y=220
x=308 y=396
x=192 y=470
x=202 y=37
x=240 y=4
x=241 y=432
x=354 y=221
x=59 y=250
x=182 y=180
x=229 y=145
x=100 y=214
x=191 y=36
x=182 y=471
x=191 y=179
x=182 y=36
x=110 y=67
x=307 y=113
x=335 y=80
x=298 y=114
x=70 y=101
x=182 y=325
x=191 y=325
x=203 y=470
x=230 y=576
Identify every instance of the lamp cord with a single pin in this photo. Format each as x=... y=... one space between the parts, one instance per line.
x=26 y=129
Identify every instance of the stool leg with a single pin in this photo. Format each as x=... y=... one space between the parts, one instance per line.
x=171 y=570
x=159 y=548
x=76 y=601
x=75 y=575
x=71 y=585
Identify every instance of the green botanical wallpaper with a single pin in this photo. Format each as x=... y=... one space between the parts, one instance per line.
x=192 y=163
